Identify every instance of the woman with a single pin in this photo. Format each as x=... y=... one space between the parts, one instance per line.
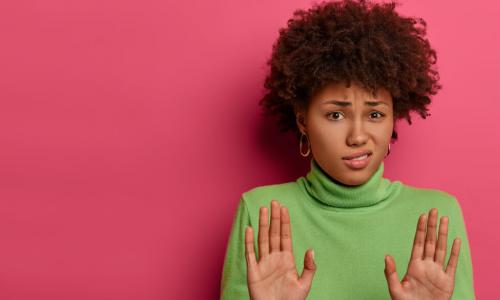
x=342 y=74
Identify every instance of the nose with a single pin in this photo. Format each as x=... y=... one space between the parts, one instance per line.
x=357 y=135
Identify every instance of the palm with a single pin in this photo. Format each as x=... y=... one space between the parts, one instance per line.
x=275 y=275
x=425 y=277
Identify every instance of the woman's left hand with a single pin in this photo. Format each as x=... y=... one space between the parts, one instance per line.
x=425 y=278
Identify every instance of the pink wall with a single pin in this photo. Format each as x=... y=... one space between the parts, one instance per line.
x=130 y=128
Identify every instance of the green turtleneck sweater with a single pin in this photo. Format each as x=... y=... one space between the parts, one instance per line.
x=350 y=230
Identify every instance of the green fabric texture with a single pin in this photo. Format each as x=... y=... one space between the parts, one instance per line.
x=350 y=229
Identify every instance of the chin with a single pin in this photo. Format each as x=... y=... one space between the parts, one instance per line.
x=355 y=182
x=352 y=180
x=357 y=177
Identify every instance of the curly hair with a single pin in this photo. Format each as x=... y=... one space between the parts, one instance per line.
x=348 y=41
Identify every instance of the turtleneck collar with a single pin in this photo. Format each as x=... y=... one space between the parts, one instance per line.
x=320 y=186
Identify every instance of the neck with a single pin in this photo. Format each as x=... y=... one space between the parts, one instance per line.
x=331 y=192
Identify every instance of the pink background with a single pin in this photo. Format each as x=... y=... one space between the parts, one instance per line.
x=130 y=128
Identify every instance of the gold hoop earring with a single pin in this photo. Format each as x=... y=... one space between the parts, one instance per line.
x=308 y=145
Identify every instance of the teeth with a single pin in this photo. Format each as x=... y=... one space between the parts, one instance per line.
x=360 y=157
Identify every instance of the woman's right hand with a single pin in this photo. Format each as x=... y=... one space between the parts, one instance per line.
x=275 y=275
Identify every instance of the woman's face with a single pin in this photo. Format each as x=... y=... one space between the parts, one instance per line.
x=343 y=121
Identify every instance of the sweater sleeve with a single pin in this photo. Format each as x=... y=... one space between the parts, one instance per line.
x=234 y=273
x=464 y=279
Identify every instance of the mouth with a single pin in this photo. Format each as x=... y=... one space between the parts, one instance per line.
x=358 y=156
x=358 y=161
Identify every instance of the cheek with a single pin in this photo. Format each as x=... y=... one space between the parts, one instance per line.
x=382 y=133
x=381 y=130
x=387 y=131
x=327 y=138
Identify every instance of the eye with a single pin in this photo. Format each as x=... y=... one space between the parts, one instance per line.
x=335 y=114
x=377 y=112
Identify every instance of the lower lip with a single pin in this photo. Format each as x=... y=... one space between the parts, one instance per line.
x=357 y=164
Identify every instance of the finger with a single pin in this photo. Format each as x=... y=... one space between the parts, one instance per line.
x=453 y=261
x=430 y=238
x=309 y=270
x=249 y=251
x=440 y=254
x=391 y=275
x=286 y=232
x=418 y=241
x=263 y=232
x=275 y=232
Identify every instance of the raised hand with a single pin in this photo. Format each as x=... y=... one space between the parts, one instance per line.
x=425 y=278
x=275 y=275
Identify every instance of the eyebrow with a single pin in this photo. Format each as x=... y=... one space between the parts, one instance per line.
x=347 y=103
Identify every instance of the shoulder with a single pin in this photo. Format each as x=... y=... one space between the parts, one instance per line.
x=430 y=197
x=422 y=192
x=262 y=195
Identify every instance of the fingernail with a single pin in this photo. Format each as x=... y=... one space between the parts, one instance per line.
x=312 y=253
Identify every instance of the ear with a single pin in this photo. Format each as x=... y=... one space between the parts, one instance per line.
x=300 y=118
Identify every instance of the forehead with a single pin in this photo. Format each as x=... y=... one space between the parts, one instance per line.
x=340 y=91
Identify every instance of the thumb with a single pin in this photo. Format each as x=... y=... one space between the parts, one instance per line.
x=391 y=274
x=309 y=268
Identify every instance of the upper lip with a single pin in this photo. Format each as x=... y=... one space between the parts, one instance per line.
x=357 y=154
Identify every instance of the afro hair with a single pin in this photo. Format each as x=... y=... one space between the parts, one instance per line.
x=345 y=41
